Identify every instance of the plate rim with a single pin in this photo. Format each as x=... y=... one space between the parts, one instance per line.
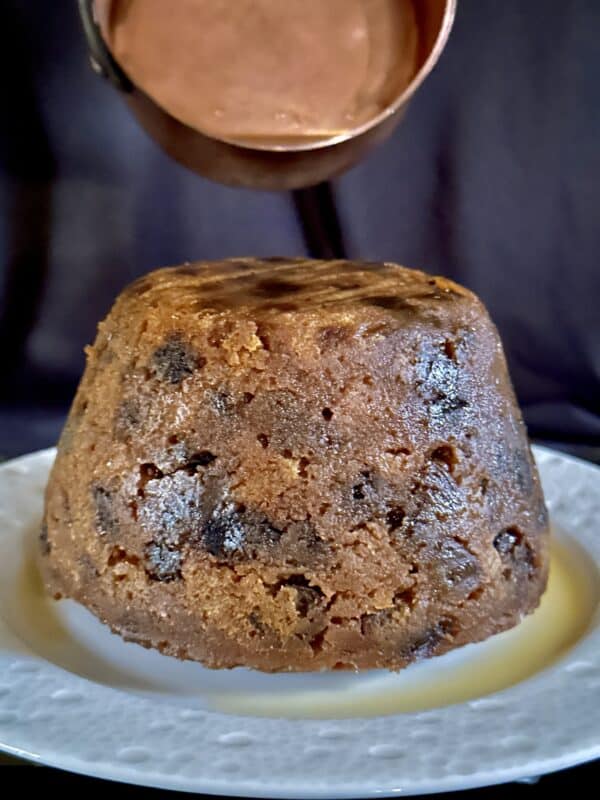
x=136 y=770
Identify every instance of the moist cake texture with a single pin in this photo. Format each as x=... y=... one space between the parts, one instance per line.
x=296 y=465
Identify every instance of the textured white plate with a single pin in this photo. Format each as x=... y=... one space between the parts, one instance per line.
x=74 y=696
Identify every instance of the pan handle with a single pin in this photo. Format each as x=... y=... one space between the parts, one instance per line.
x=101 y=58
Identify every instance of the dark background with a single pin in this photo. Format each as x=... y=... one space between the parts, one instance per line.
x=493 y=179
x=561 y=784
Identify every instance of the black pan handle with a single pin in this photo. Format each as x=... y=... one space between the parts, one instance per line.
x=100 y=56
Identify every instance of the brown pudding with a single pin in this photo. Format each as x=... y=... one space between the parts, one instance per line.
x=297 y=465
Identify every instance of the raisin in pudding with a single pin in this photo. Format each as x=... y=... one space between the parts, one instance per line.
x=297 y=465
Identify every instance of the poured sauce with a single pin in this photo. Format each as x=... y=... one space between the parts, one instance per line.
x=464 y=674
x=267 y=72
x=69 y=636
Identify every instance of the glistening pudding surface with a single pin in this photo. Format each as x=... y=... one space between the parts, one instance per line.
x=341 y=483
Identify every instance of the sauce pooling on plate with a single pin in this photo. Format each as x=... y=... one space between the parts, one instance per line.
x=267 y=72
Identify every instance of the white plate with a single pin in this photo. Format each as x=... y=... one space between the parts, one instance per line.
x=75 y=696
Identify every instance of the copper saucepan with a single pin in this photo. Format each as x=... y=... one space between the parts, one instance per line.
x=289 y=166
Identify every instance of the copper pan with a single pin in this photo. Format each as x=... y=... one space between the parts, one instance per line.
x=289 y=166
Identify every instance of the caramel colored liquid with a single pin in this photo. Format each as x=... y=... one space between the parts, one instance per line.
x=465 y=674
x=69 y=636
x=267 y=72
